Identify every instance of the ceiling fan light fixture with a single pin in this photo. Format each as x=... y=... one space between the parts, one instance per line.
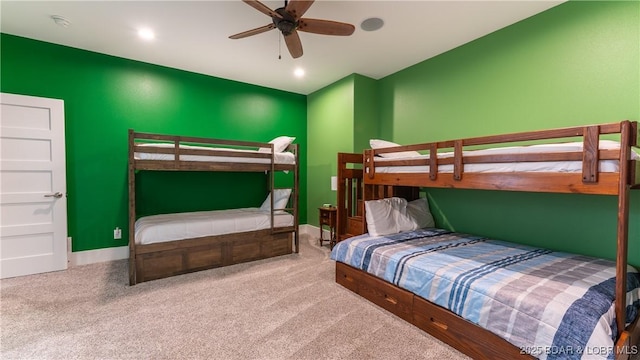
x=299 y=72
x=372 y=24
x=146 y=34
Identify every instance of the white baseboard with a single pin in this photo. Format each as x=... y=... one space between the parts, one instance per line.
x=314 y=231
x=122 y=252
x=99 y=255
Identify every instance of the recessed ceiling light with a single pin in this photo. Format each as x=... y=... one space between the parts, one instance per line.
x=61 y=20
x=298 y=72
x=146 y=34
x=372 y=24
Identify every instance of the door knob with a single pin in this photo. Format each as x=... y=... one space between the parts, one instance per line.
x=56 y=195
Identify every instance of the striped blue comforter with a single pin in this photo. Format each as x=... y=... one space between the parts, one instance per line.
x=552 y=305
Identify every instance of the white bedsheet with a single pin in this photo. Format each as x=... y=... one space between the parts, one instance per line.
x=168 y=227
x=284 y=158
x=538 y=166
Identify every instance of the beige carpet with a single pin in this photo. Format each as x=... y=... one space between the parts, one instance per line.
x=283 y=308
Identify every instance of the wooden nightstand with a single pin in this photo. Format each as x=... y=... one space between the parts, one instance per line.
x=328 y=217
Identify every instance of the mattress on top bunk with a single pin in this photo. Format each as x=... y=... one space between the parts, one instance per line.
x=539 y=300
x=282 y=158
x=179 y=226
x=607 y=166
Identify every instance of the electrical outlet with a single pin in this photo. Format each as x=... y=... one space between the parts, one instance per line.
x=117 y=233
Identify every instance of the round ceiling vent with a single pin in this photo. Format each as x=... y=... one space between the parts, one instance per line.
x=372 y=24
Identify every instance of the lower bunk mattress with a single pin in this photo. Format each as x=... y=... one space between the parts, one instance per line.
x=544 y=302
x=189 y=225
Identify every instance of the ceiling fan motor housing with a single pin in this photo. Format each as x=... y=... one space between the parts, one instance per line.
x=287 y=24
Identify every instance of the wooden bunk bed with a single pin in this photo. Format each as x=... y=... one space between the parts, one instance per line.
x=156 y=152
x=379 y=178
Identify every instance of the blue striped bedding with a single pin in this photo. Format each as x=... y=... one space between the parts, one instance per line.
x=552 y=305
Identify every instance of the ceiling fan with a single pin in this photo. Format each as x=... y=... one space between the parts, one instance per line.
x=288 y=19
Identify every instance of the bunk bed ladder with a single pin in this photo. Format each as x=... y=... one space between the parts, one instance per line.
x=294 y=198
x=132 y=210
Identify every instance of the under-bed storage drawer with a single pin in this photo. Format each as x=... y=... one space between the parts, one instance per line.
x=280 y=245
x=379 y=292
x=450 y=328
x=204 y=258
x=253 y=249
x=347 y=277
x=160 y=260
x=242 y=252
x=157 y=265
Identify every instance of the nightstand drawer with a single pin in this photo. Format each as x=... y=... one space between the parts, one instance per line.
x=325 y=217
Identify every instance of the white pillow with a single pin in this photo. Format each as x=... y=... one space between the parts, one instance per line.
x=379 y=144
x=418 y=210
x=381 y=215
x=281 y=197
x=394 y=215
x=280 y=144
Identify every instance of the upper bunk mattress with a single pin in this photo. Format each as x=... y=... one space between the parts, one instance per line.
x=537 y=299
x=606 y=166
x=179 y=226
x=282 y=158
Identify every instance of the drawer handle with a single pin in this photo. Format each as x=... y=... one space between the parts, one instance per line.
x=348 y=278
x=390 y=299
x=439 y=324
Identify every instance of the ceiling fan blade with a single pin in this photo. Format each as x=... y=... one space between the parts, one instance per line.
x=262 y=8
x=297 y=8
x=253 y=31
x=325 y=27
x=294 y=44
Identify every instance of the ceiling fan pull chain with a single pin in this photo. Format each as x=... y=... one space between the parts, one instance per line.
x=279 y=47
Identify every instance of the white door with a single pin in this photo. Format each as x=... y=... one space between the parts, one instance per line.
x=33 y=202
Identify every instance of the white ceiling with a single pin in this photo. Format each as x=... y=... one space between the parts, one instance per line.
x=194 y=35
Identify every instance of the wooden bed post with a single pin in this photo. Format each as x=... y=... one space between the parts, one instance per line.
x=132 y=210
x=342 y=213
x=296 y=186
x=590 y=154
x=626 y=138
x=271 y=181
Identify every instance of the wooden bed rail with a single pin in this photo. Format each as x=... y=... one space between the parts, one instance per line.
x=192 y=140
x=590 y=180
x=559 y=133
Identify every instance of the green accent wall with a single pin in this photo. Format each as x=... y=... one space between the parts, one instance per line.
x=366 y=117
x=104 y=96
x=342 y=117
x=577 y=63
x=330 y=130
